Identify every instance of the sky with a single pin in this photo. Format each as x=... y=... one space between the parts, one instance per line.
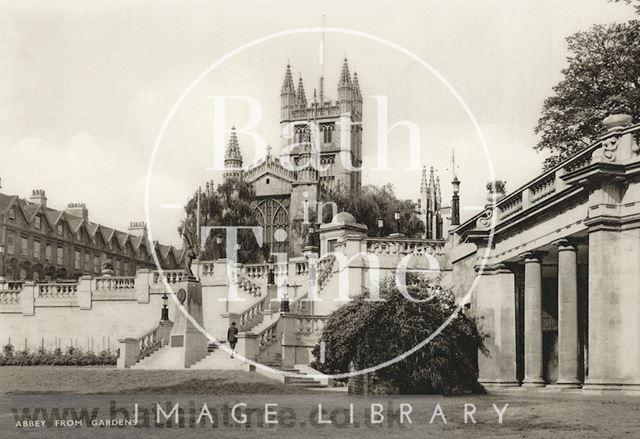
x=85 y=89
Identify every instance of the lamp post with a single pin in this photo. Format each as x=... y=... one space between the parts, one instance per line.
x=2 y=272
x=397 y=218
x=164 y=314
x=218 y=247
x=455 y=202
x=380 y=226
x=271 y=276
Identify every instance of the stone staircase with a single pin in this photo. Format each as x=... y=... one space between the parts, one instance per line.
x=166 y=358
x=218 y=359
x=300 y=380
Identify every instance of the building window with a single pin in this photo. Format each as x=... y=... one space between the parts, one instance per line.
x=47 y=253
x=24 y=247
x=87 y=262
x=327 y=133
x=117 y=268
x=267 y=181
x=96 y=264
x=11 y=244
x=36 y=249
x=12 y=213
x=60 y=230
x=38 y=222
x=60 y=256
x=76 y=260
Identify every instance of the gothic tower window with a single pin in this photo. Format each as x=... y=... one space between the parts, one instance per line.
x=327 y=132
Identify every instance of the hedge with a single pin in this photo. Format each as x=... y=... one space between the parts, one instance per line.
x=44 y=357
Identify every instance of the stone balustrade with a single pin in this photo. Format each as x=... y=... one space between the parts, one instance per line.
x=24 y=297
x=249 y=317
x=247 y=285
x=403 y=246
x=513 y=206
x=325 y=267
x=57 y=291
x=10 y=297
x=207 y=268
x=110 y=283
x=172 y=276
x=133 y=349
x=255 y=270
x=115 y=288
x=308 y=325
x=552 y=184
x=15 y=285
x=267 y=337
x=301 y=267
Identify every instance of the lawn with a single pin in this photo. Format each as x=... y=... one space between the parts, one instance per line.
x=95 y=380
x=529 y=414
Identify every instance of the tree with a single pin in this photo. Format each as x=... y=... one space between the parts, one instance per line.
x=228 y=205
x=602 y=78
x=366 y=333
x=635 y=3
x=373 y=203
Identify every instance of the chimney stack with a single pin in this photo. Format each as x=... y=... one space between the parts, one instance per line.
x=138 y=228
x=77 y=209
x=38 y=197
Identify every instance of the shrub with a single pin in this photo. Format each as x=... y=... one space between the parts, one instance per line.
x=366 y=333
x=72 y=356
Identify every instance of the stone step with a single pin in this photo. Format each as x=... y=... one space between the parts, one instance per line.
x=211 y=347
x=220 y=359
x=166 y=358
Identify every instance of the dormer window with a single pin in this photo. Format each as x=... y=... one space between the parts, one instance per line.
x=38 y=222
x=267 y=180
x=60 y=230
x=12 y=213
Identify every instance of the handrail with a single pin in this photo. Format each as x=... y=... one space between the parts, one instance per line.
x=247 y=284
x=134 y=349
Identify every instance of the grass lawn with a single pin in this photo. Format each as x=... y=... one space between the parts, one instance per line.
x=93 y=380
x=532 y=414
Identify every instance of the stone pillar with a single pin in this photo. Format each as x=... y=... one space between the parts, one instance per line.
x=533 y=320
x=567 y=315
x=27 y=298
x=143 y=285
x=85 y=291
x=495 y=306
x=129 y=349
x=184 y=333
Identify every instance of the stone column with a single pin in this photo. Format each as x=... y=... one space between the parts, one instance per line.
x=533 y=320
x=567 y=315
x=495 y=306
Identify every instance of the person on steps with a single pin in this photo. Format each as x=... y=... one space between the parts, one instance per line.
x=232 y=338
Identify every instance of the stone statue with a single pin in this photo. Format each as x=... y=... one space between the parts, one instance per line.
x=189 y=255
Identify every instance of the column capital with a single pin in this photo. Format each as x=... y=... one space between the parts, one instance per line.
x=492 y=269
x=569 y=244
x=533 y=256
